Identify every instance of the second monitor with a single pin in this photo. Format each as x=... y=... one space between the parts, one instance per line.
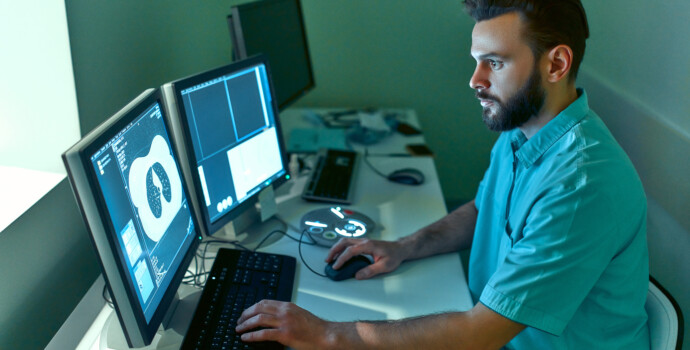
x=229 y=129
x=275 y=28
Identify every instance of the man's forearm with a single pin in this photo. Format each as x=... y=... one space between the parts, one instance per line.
x=416 y=333
x=478 y=328
x=451 y=233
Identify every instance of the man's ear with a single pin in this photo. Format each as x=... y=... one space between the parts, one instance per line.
x=560 y=59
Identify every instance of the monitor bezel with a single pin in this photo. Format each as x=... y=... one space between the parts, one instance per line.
x=239 y=48
x=186 y=143
x=92 y=204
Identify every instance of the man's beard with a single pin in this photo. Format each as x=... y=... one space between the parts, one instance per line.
x=519 y=108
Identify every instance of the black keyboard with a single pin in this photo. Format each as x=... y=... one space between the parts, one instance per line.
x=333 y=177
x=238 y=280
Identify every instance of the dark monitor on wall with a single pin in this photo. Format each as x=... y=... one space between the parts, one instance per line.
x=276 y=29
x=226 y=125
x=128 y=184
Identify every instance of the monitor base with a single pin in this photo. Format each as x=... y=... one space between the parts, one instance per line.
x=255 y=224
x=252 y=234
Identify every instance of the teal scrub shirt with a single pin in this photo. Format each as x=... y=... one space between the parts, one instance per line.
x=560 y=243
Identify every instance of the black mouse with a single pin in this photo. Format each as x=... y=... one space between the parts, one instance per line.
x=407 y=176
x=349 y=268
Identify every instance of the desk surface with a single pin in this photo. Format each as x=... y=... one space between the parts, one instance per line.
x=398 y=210
x=419 y=287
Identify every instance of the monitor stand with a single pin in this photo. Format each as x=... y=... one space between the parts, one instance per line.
x=255 y=224
x=170 y=334
x=248 y=230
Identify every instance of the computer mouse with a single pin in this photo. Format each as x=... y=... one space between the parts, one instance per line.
x=349 y=268
x=407 y=176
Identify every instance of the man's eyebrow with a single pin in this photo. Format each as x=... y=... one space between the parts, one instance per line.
x=491 y=55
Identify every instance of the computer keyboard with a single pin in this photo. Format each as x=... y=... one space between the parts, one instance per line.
x=333 y=177
x=238 y=279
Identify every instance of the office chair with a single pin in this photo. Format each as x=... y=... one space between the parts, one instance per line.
x=665 y=318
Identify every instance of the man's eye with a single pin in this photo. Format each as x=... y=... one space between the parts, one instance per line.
x=495 y=65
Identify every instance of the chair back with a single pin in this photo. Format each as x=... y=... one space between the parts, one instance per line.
x=665 y=318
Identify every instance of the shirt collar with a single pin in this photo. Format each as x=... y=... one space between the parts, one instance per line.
x=529 y=151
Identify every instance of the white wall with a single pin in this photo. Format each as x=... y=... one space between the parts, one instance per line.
x=38 y=106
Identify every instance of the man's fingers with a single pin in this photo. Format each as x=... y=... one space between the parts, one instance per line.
x=259 y=320
x=338 y=248
x=346 y=255
x=264 y=306
x=371 y=271
x=261 y=335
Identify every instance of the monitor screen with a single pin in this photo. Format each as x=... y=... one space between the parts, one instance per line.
x=128 y=183
x=230 y=133
x=276 y=29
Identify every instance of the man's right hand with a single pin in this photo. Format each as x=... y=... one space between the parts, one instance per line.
x=387 y=255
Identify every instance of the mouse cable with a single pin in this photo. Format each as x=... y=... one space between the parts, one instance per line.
x=301 y=240
x=282 y=233
x=299 y=249
x=366 y=160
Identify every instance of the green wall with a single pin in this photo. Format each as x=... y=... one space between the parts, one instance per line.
x=120 y=48
x=642 y=49
x=48 y=264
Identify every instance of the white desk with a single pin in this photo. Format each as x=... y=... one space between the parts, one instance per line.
x=417 y=288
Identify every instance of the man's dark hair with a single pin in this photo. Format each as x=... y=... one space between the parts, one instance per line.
x=548 y=23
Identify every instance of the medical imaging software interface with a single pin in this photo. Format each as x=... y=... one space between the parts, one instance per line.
x=234 y=137
x=141 y=185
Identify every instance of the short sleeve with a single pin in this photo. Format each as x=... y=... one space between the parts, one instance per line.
x=554 y=260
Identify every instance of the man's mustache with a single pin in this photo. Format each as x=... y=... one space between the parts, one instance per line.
x=485 y=96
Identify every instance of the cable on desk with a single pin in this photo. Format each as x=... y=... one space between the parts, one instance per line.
x=366 y=160
x=299 y=249
x=299 y=243
x=271 y=234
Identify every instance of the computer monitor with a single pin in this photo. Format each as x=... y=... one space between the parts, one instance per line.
x=275 y=28
x=127 y=182
x=226 y=125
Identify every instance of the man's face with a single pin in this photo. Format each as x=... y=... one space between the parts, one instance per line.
x=506 y=80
